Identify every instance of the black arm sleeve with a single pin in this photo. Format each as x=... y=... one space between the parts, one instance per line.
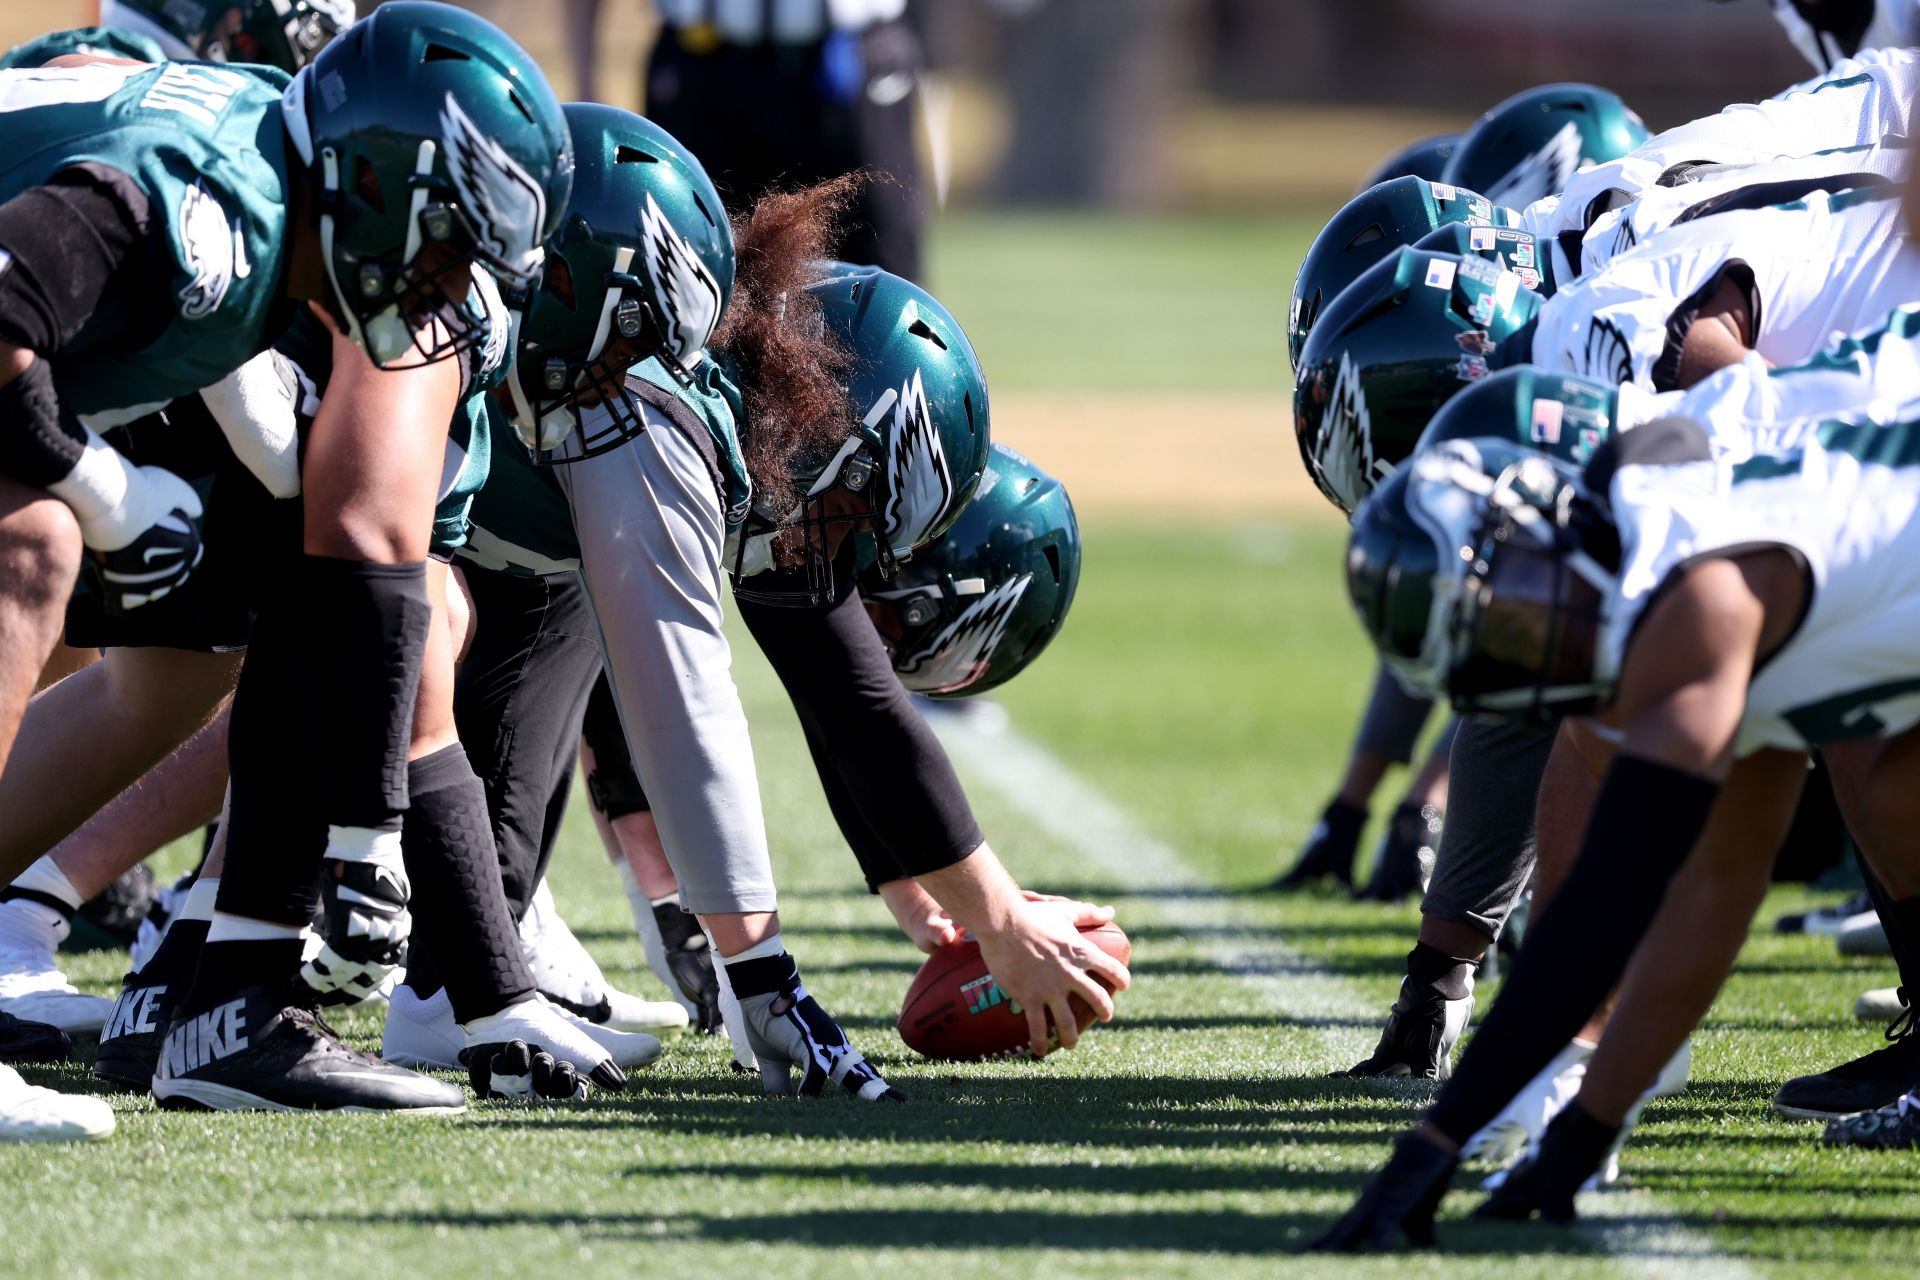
x=877 y=759
x=81 y=266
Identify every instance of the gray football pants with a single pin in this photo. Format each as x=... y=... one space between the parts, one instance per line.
x=1487 y=847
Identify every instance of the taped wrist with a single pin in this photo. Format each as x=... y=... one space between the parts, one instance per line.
x=39 y=441
x=363 y=627
x=1448 y=976
x=1645 y=822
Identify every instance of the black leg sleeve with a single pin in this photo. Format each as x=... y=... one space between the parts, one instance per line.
x=865 y=733
x=276 y=835
x=616 y=789
x=363 y=630
x=1645 y=822
x=460 y=915
x=521 y=696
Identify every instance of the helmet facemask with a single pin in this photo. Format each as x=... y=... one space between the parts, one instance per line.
x=1516 y=627
x=851 y=491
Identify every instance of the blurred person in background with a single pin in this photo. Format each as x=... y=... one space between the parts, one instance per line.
x=775 y=94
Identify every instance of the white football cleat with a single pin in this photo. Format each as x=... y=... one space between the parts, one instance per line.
x=629 y=1048
x=32 y=988
x=568 y=976
x=29 y=1113
x=561 y=1034
x=1521 y=1122
x=1881 y=1004
x=421 y=1033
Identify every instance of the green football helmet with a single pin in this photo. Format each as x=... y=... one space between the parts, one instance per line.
x=1529 y=146
x=1562 y=416
x=916 y=444
x=642 y=263
x=1393 y=348
x=276 y=33
x=1373 y=224
x=1506 y=247
x=1481 y=571
x=975 y=608
x=433 y=142
x=1426 y=158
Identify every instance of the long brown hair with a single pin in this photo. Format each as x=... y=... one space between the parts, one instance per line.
x=791 y=371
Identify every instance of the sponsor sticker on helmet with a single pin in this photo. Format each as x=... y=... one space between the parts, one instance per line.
x=1547 y=415
x=1481 y=238
x=1440 y=273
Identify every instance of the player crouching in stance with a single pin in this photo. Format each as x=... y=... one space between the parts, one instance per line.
x=1718 y=618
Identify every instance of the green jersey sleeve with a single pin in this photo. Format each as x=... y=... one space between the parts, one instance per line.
x=101 y=42
x=521 y=522
x=206 y=146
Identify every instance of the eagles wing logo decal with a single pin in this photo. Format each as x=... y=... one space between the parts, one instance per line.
x=961 y=651
x=212 y=250
x=1343 y=451
x=1544 y=173
x=500 y=198
x=687 y=291
x=919 y=488
x=1607 y=356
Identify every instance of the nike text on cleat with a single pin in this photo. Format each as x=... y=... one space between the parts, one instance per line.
x=32 y=1114
x=256 y=1053
x=130 y=1040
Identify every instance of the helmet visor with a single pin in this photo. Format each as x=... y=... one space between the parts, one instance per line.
x=1528 y=631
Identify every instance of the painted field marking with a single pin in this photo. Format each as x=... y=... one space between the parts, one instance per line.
x=1057 y=800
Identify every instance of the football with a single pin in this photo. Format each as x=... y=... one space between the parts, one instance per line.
x=956 y=1012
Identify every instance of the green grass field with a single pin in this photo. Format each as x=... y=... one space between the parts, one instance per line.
x=1165 y=755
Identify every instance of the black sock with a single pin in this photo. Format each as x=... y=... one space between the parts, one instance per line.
x=1450 y=977
x=460 y=913
x=762 y=977
x=230 y=967
x=178 y=954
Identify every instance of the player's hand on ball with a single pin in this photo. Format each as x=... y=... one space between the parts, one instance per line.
x=925 y=922
x=1042 y=961
x=789 y=1031
x=517 y=1071
x=1082 y=915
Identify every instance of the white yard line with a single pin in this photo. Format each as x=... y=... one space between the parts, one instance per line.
x=1061 y=803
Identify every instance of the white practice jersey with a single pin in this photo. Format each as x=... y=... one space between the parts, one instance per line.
x=1813 y=270
x=1844 y=495
x=1735 y=187
x=1862 y=102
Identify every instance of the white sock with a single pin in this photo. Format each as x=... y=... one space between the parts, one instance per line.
x=773 y=946
x=227 y=928
x=199 y=904
x=45 y=877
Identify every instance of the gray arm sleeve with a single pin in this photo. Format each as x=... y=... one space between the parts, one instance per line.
x=650 y=531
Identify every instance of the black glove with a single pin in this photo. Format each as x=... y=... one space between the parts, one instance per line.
x=365 y=904
x=515 y=1071
x=786 y=1028
x=1402 y=1195
x=690 y=961
x=1572 y=1150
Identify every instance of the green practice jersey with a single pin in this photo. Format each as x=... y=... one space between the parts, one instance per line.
x=206 y=146
x=101 y=42
x=522 y=524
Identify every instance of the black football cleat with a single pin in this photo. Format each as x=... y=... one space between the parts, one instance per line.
x=1417 y=1042
x=1400 y=1200
x=1572 y=1150
x=1406 y=854
x=1330 y=849
x=32 y=1041
x=130 y=1040
x=257 y=1053
x=1894 y=1127
x=1869 y=1082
